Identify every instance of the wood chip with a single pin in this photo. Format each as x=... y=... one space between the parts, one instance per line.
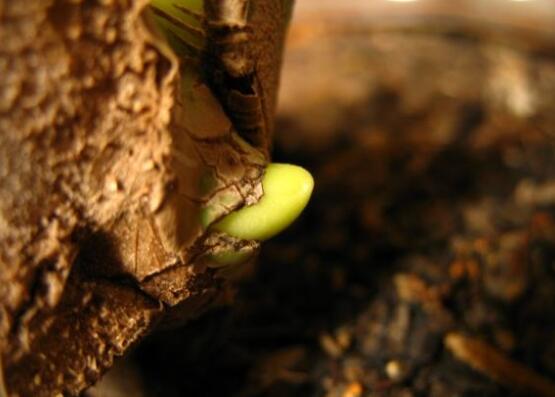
x=494 y=364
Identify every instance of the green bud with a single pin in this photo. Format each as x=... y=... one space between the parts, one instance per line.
x=287 y=189
x=181 y=22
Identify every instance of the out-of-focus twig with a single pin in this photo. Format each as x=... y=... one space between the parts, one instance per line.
x=494 y=364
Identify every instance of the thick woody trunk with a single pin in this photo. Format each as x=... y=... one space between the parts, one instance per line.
x=103 y=177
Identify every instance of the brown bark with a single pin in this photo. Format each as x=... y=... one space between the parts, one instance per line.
x=101 y=175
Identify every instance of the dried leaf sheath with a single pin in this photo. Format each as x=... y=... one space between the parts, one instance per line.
x=245 y=39
x=240 y=54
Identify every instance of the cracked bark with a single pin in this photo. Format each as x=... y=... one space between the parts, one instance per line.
x=103 y=177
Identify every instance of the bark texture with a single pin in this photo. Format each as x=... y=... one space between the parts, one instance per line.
x=104 y=173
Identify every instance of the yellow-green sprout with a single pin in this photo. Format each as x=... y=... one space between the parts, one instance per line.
x=287 y=189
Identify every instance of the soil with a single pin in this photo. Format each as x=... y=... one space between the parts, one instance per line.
x=425 y=263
